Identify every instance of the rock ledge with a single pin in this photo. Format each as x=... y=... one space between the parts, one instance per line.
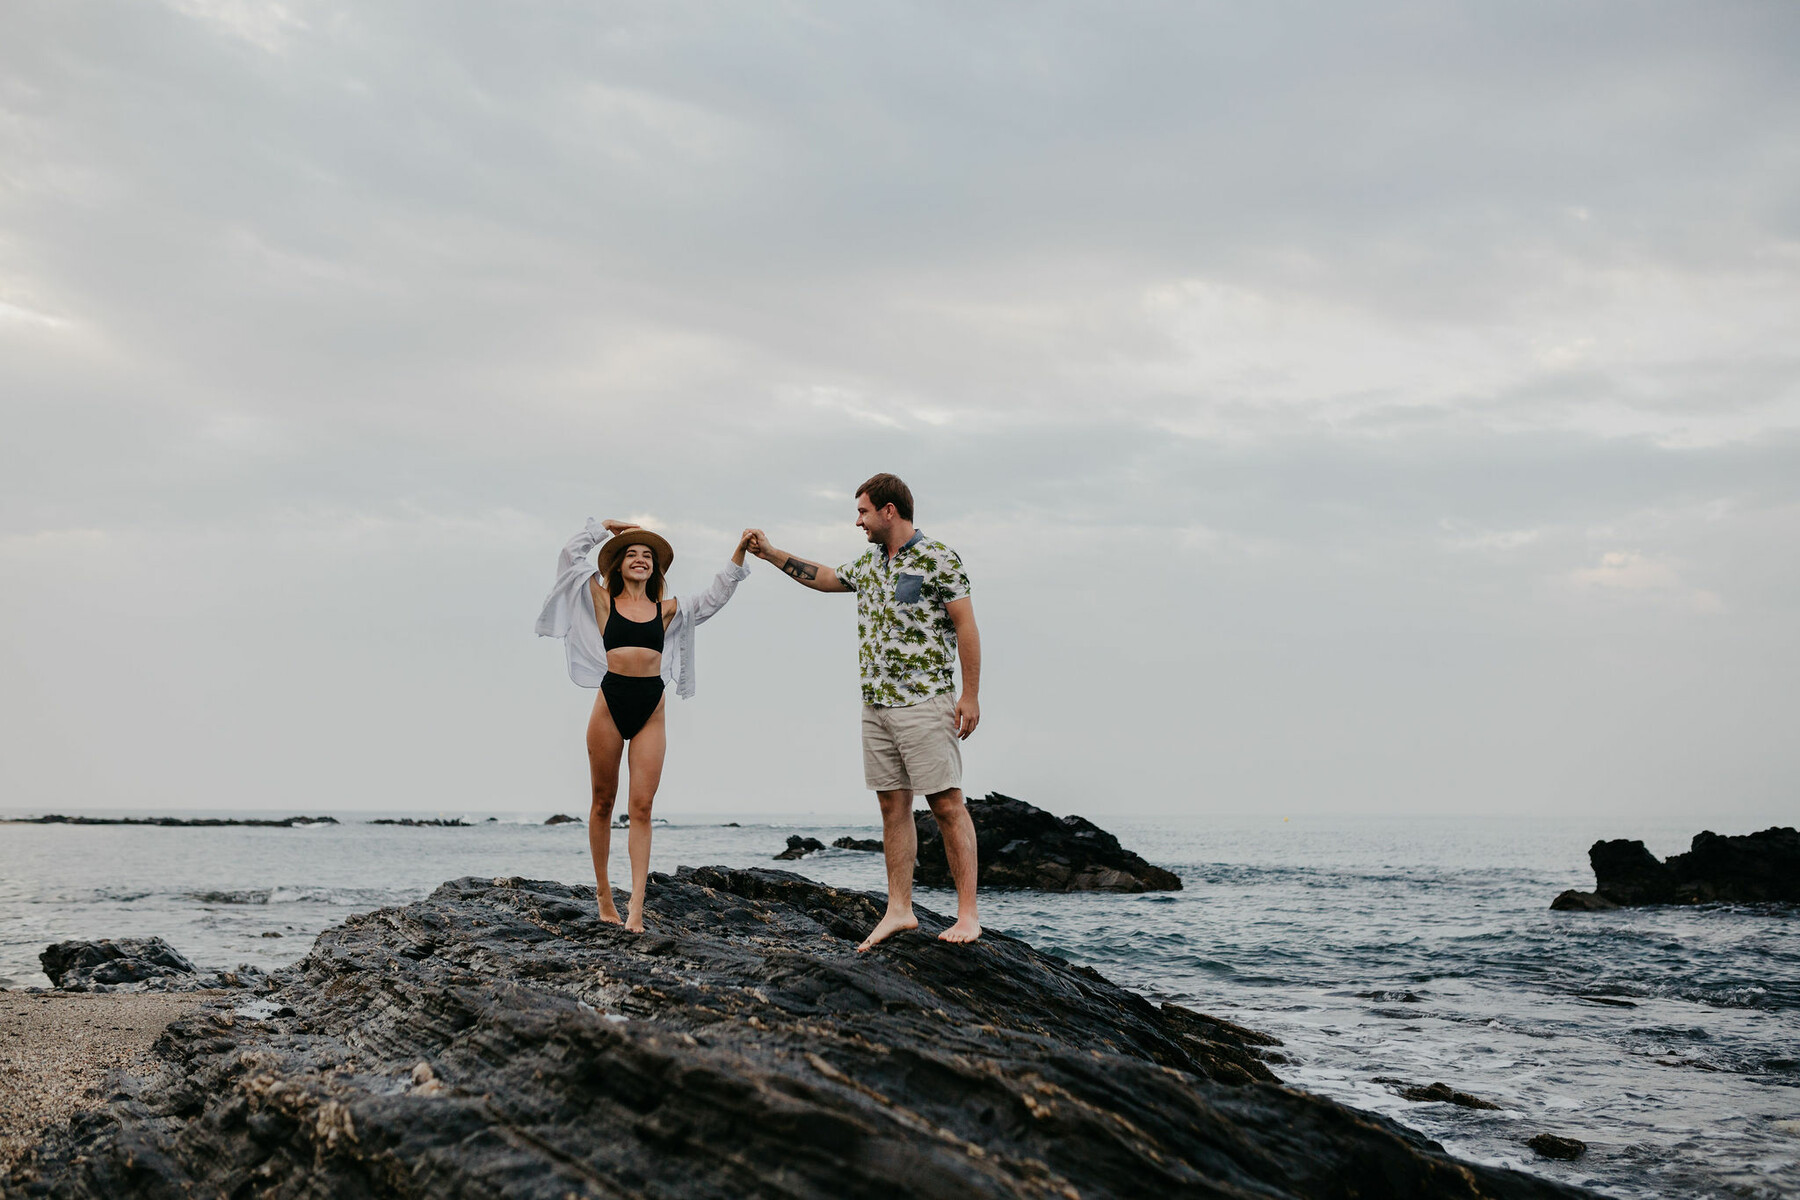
x=497 y=1039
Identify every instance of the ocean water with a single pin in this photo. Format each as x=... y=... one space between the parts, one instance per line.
x=1423 y=950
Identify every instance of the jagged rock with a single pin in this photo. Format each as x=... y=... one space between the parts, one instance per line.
x=1550 y=1146
x=799 y=847
x=1440 y=1093
x=1748 y=869
x=415 y=822
x=1019 y=845
x=866 y=845
x=135 y=965
x=171 y=822
x=498 y=1039
x=1575 y=901
x=563 y=819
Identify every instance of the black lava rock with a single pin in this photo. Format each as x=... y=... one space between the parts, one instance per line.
x=1748 y=869
x=1550 y=1146
x=1440 y=1093
x=76 y=966
x=170 y=822
x=498 y=1039
x=866 y=845
x=799 y=847
x=137 y=965
x=1019 y=845
x=1576 y=901
x=563 y=819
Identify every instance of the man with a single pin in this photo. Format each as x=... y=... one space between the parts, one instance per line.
x=913 y=617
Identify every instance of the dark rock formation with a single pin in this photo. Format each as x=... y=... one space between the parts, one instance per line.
x=176 y=822
x=497 y=1039
x=415 y=822
x=136 y=964
x=799 y=847
x=866 y=845
x=563 y=819
x=1441 y=1093
x=1750 y=869
x=1550 y=1146
x=1575 y=901
x=1021 y=846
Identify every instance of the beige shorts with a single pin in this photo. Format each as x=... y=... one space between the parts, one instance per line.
x=912 y=747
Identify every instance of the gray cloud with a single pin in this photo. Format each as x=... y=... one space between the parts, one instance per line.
x=1378 y=408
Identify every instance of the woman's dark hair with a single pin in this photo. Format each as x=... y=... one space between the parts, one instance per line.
x=883 y=490
x=653 y=586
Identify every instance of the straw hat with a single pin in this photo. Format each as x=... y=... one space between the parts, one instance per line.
x=616 y=546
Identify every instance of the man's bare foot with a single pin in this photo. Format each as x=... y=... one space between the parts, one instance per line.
x=891 y=924
x=966 y=929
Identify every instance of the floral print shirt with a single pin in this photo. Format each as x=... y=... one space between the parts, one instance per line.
x=907 y=640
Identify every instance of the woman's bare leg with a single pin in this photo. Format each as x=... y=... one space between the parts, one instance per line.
x=646 y=756
x=604 y=748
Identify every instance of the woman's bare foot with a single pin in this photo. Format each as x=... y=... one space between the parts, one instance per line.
x=609 y=912
x=966 y=929
x=634 y=918
x=890 y=924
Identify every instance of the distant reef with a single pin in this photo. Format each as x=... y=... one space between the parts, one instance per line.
x=1019 y=845
x=1752 y=868
x=174 y=822
x=498 y=1039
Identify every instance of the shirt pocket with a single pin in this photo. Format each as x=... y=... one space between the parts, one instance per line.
x=908 y=588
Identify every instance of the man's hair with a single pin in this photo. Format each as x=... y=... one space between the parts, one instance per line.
x=884 y=489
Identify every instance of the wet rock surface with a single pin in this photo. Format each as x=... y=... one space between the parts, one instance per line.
x=799 y=847
x=1436 y=1093
x=1021 y=846
x=497 y=1039
x=866 y=845
x=1748 y=869
x=135 y=965
x=170 y=822
x=1548 y=1145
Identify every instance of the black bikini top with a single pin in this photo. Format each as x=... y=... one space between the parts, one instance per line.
x=622 y=631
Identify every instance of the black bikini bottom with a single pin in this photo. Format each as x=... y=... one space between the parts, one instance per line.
x=632 y=700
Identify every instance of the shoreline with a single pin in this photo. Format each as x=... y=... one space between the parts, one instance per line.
x=59 y=1049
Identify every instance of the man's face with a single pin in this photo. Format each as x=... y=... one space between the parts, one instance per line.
x=871 y=520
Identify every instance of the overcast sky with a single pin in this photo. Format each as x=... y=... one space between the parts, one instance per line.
x=1355 y=408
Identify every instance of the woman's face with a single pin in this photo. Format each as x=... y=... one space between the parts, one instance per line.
x=638 y=563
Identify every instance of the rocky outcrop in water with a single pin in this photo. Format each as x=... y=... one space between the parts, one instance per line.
x=135 y=965
x=417 y=823
x=563 y=819
x=866 y=845
x=1750 y=869
x=497 y=1039
x=1019 y=845
x=1548 y=1145
x=799 y=847
x=170 y=822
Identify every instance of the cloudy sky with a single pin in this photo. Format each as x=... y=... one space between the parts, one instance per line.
x=1377 y=408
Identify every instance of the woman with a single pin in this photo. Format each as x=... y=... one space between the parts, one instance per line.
x=622 y=636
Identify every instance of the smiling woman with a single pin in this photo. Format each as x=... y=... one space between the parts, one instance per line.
x=625 y=638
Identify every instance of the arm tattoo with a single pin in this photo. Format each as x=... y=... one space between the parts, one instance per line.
x=799 y=569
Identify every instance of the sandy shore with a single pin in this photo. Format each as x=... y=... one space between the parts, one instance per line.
x=56 y=1050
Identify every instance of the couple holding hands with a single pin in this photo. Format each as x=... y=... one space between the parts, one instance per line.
x=914 y=623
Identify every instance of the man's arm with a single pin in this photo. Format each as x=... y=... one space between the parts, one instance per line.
x=816 y=576
x=968 y=649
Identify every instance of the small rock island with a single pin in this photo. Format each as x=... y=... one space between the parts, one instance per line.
x=498 y=1039
x=1755 y=868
